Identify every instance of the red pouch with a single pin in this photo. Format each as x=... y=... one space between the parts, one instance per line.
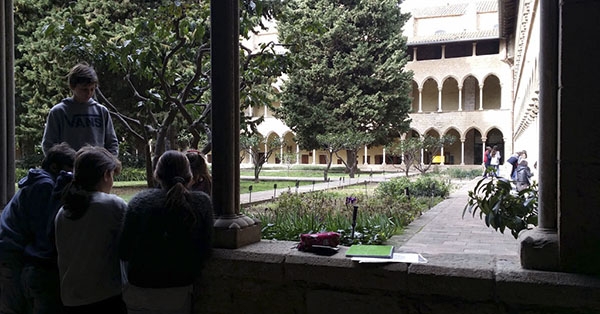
x=309 y=241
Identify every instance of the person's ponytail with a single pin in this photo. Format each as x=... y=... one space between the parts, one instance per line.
x=174 y=174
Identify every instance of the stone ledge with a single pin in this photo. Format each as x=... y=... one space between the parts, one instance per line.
x=273 y=274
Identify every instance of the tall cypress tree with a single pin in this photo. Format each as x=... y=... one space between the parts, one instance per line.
x=347 y=78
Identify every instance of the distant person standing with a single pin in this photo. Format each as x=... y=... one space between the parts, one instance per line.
x=513 y=160
x=486 y=160
x=79 y=120
x=523 y=175
x=495 y=160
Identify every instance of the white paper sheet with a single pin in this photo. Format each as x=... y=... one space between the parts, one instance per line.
x=412 y=258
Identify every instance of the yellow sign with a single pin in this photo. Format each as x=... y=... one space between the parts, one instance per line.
x=438 y=159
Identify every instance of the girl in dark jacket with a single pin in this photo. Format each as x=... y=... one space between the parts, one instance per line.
x=165 y=239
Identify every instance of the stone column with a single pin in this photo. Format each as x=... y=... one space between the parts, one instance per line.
x=314 y=157
x=483 y=139
x=462 y=151
x=539 y=247
x=578 y=138
x=7 y=103
x=232 y=230
x=420 y=100
x=442 y=161
x=569 y=142
x=481 y=97
x=415 y=54
x=439 y=99
x=366 y=155
x=443 y=52
x=297 y=154
x=281 y=154
x=460 y=98
x=384 y=163
x=474 y=51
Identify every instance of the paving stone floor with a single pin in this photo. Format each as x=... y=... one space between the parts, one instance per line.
x=442 y=229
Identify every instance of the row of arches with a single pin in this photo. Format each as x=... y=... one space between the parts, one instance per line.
x=448 y=94
x=467 y=149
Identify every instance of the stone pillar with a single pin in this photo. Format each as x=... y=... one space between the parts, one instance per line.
x=474 y=51
x=443 y=52
x=7 y=103
x=314 y=159
x=579 y=201
x=384 y=163
x=281 y=154
x=297 y=154
x=481 y=97
x=415 y=54
x=366 y=155
x=232 y=230
x=539 y=247
x=442 y=161
x=460 y=98
x=439 y=99
x=578 y=138
x=462 y=151
x=420 y=100
x=483 y=140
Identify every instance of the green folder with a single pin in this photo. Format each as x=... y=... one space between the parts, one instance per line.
x=364 y=250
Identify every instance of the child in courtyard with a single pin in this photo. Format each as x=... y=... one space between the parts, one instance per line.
x=79 y=120
x=87 y=230
x=523 y=175
x=27 y=249
x=165 y=240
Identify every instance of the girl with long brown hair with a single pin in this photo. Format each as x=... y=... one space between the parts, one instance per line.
x=87 y=231
x=166 y=237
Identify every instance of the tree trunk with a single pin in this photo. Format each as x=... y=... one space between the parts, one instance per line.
x=149 y=168
x=328 y=166
x=351 y=162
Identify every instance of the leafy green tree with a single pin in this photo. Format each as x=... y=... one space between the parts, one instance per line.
x=254 y=146
x=412 y=150
x=347 y=72
x=334 y=143
x=153 y=61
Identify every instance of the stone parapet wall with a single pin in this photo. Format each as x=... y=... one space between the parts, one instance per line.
x=273 y=277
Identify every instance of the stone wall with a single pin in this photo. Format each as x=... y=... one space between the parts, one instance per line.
x=273 y=277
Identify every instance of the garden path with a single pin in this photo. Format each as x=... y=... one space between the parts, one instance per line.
x=442 y=230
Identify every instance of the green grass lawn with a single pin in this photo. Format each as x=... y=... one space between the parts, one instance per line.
x=127 y=189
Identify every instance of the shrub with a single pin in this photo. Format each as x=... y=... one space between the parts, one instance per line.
x=460 y=173
x=423 y=186
x=20 y=173
x=293 y=214
x=131 y=174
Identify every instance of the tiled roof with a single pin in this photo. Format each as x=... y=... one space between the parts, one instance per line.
x=454 y=9
x=445 y=10
x=487 y=6
x=450 y=37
